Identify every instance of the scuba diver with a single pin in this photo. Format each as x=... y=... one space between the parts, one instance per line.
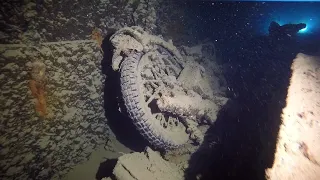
x=284 y=31
x=284 y=38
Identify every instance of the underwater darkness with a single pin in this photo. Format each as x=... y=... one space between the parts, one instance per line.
x=84 y=91
x=258 y=76
x=227 y=23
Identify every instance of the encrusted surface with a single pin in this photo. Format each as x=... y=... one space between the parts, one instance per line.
x=146 y=165
x=298 y=146
x=71 y=33
x=39 y=146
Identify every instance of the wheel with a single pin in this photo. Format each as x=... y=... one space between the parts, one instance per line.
x=141 y=85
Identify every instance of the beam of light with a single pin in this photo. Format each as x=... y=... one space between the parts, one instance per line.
x=304 y=30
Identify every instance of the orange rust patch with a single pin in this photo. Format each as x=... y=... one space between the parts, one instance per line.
x=38 y=91
x=97 y=36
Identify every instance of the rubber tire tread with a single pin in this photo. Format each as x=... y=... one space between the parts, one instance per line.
x=130 y=94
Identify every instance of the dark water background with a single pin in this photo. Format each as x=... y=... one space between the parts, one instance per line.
x=258 y=73
x=257 y=69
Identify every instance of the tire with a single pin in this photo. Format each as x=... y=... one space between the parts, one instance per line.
x=140 y=114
